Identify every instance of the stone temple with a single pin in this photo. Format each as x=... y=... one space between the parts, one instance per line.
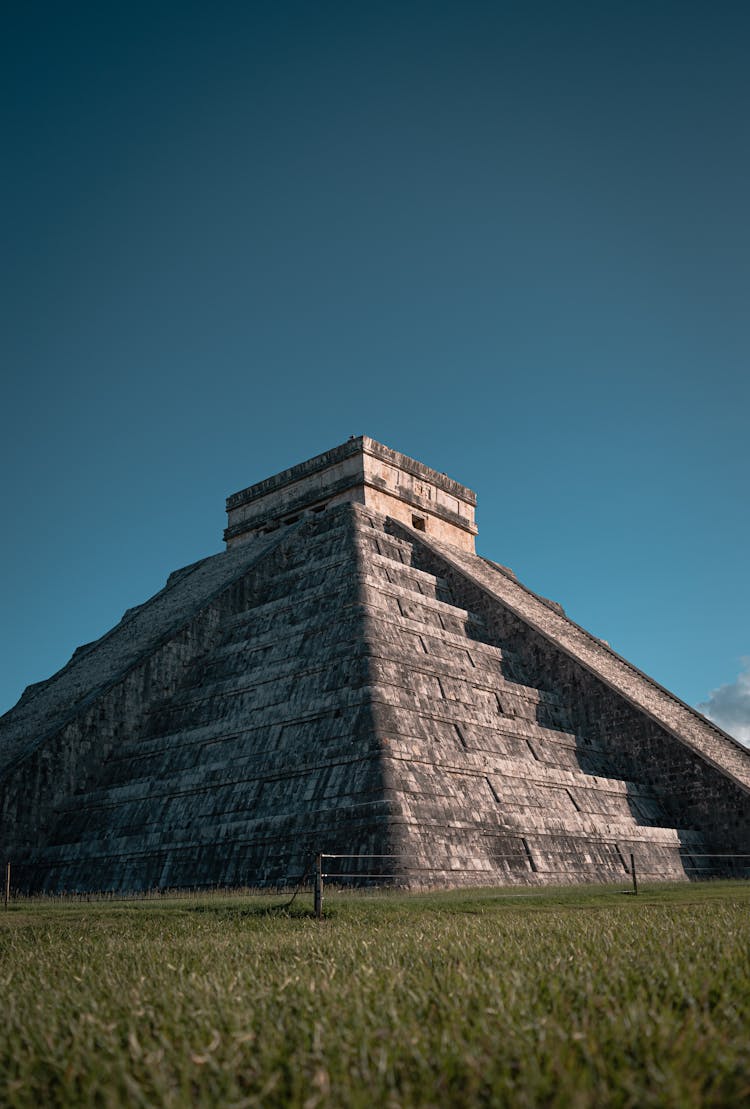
x=349 y=677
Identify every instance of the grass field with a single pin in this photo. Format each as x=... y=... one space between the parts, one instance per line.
x=522 y=998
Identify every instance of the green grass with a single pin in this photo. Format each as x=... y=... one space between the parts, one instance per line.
x=564 y=997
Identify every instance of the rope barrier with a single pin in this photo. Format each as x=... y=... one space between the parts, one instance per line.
x=686 y=862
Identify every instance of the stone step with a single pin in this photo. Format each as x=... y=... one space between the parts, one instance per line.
x=422 y=620
x=375 y=589
x=216 y=676
x=426 y=697
x=513 y=769
x=271 y=699
x=240 y=662
x=315 y=574
x=299 y=607
x=389 y=546
x=408 y=578
x=328 y=707
x=455 y=683
x=241 y=829
x=439 y=642
x=249 y=768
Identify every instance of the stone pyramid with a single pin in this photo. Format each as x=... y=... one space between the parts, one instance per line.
x=350 y=677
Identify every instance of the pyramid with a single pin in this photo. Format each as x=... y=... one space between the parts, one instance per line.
x=349 y=677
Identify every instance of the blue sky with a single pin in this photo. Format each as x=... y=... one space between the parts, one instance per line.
x=510 y=240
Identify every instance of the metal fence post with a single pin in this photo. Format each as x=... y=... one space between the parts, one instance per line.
x=633 y=874
x=7 y=884
x=318 y=897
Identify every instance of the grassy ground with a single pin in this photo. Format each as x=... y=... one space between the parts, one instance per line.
x=557 y=998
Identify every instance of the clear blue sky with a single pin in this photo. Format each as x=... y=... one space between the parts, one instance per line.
x=508 y=239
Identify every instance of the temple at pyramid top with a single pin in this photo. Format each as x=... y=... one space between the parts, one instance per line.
x=364 y=471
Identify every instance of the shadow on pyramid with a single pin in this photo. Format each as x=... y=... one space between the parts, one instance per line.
x=349 y=677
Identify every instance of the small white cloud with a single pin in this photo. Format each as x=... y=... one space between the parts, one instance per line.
x=729 y=706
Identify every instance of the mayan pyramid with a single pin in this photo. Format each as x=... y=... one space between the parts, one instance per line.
x=348 y=676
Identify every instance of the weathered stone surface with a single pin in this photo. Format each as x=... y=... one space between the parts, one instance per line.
x=350 y=683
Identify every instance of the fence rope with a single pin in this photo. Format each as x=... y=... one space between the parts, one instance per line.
x=731 y=865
